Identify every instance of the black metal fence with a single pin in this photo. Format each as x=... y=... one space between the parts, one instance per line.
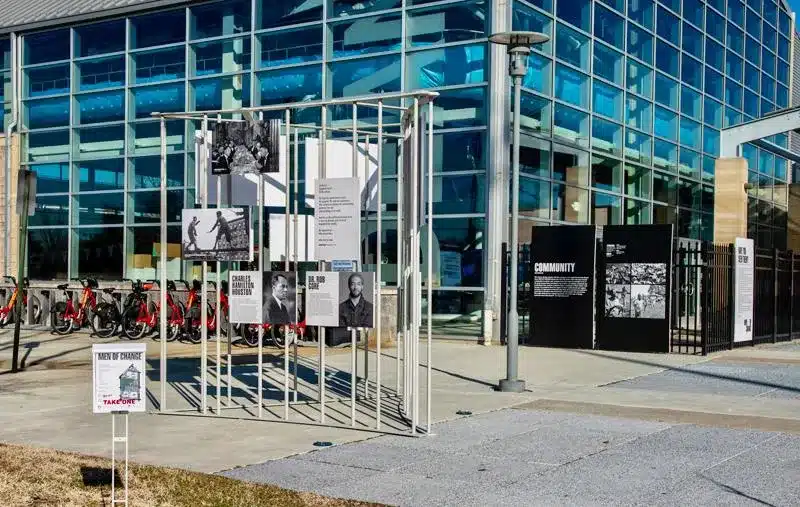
x=703 y=297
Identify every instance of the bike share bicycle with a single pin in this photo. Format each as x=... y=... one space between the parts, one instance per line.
x=66 y=318
x=192 y=324
x=141 y=316
x=7 y=312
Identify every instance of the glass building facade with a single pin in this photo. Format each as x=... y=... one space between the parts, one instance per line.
x=621 y=114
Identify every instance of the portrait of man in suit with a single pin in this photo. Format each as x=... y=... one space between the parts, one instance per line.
x=355 y=310
x=279 y=298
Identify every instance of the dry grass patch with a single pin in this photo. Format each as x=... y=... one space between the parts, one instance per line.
x=39 y=477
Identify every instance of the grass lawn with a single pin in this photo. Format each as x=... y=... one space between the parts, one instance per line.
x=37 y=477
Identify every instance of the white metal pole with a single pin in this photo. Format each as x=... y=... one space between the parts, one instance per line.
x=203 y=303
x=322 y=162
x=415 y=185
x=162 y=406
x=114 y=456
x=353 y=341
x=261 y=253
x=218 y=313
x=379 y=262
x=400 y=291
x=286 y=264
x=296 y=232
x=366 y=258
x=430 y=265
x=126 y=458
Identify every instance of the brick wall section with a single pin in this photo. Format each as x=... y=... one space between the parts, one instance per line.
x=13 y=227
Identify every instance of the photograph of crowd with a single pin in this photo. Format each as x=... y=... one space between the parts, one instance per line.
x=648 y=274
x=648 y=301
x=245 y=147
x=618 y=301
x=618 y=274
x=636 y=290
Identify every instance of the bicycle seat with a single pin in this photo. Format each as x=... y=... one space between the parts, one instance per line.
x=62 y=286
x=109 y=290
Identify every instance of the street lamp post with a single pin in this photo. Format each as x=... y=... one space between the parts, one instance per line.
x=519 y=47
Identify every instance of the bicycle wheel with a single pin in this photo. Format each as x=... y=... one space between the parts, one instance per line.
x=36 y=311
x=60 y=324
x=250 y=334
x=105 y=320
x=278 y=334
x=132 y=329
x=174 y=329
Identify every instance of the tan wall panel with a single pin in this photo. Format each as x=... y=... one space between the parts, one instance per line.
x=730 y=199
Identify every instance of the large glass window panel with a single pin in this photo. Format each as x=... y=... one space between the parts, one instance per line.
x=715 y=24
x=618 y=5
x=692 y=40
x=708 y=167
x=50 y=80
x=47 y=258
x=607 y=100
x=690 y=163
x=534 y=156
x=166 y=98
x=146 y=206
x=780 y=168
x=48 y=145
x=576 y=12
x=295 y=45
x=158 y=65
x=570 y=165
x=426 y=27
x=667 y=26
x=665 y=155
x=637 y=212
x=570 y=204
x=637 y=146
x=50 y=210
x=571 y=124
x=637 y=181
x=571 y=86
x=606 y=173
x=572 y=46
x=229 y=55
x=735 y=39
x=767 y=106
x=690 y=133
x=606 y=209
x=295 y=84
x=537 y=113
x=345 y=8
x=274 y=13
x=713 y=113
x=783 y=47
x=768 y=62
x=750 y=154
x=367 y=35
x=100 y=107
x=106 y=174
x=784 y=23
x=667 y=59
x=539 y=74
x=100 y=38
x=752 y=51
x=753 y=24
x=469 y=157
x=5 y=54
x=51 y=178
x=534 y=198
x=463 y=107
x=607 y=63
x=770 y=38
x=766 y=161
x=227 y=92
x=692 y=72
x=145 y=172
x=47 y=113
x=639 y=78
x=100 y=73
x=100 y=209
x=142 y=243
x=640 y=44
x=782 y=96
x=736 y=12
x=714 y=83
x=147 y=137
x=752 y=77
x=767 y=87
x=48 y=46
x=217 y=19
x=691 y=103
x=99 y=252
x=641 y=11
x=734 y=67
x=459 y=194
x=463 y=236
x=609 y=26
x=425 y=69
x=102 y=141
x=711 y=141
x=692 y=11
x=529 y=20
x=665 y=188
x=638 y=113
x=770 y=12
x=666 y=124
x=606 y=136
x=782 y=73
x=715 y=55
x=158 y=29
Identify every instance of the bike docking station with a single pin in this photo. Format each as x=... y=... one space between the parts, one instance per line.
x=118 y=388
x=323 y=163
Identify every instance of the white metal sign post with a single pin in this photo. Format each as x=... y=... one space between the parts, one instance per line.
x=118 y=388
x=744 y=260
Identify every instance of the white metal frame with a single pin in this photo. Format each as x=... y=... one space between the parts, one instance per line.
x=408 y=392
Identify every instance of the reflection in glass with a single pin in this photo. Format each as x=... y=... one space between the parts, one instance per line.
x=48 y=145
x=98 y=252
x=51 y=80
x=606 y=209
x=637 y=212
x=538 y=75
x=690 y=164
x=295 y=84
x=164 y=27
x=99 y=209
x=637 y=146
x=100 y=73
x=295 y=45
x=534 y=156
x=227 y=92
x=536 y=113
x=571 y=124
x=607 y=100
x=609 y=26
x=143 y=244
x=640 y=44
x=47 y=113
x=570 y=204
x=575 y=12
x=463 y=237
x=50 y=46
x=229 y=55
x=100 y=38
x=50 y=210
x=376 y=75
x=608 y=63
x=101 y=174
x=158 y=65
x=47 y=254
x=666 y=91
x=666 y=124
x=51 y=178
x=462 y=107
x=665 y=155
x=572 y=46
x=667 y=59
x=606 y=174
x=525 y=19
x=144 y=206
x=534 y=198
x=145 y=172
x=100 y=107
x=166 y=98
x=640 y=79
x=455 y=23
x=570 y=165
x=426 y=69
x=103 y=141
x=216 y=19
x=606 y=136
x=147 y=137
x=459 y=194
x=638 y=113
x=637 y=181
x=366 y=35
x=690 y=133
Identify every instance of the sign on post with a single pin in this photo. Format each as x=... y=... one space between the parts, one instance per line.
x=27 y=179
x=245 y=297
x=744 y=261
x=343 y=299
x=216 y=235
x=337 y=213
x=118 y=378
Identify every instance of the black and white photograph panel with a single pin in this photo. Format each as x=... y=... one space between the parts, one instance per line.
x=618 y=273
x=280 y=297
x=618 y=301
x=648 y=301
x=216 y=234
x=648 y=273
x=356 y=299
x=246 y=147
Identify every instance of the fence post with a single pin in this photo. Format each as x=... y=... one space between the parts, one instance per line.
x=790 y=254
x=731 y=294
x=503 y=292
x=774 y=295
x=705 y=255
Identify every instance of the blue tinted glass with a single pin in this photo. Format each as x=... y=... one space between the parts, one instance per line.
x=641 y=11
x=783 y=73
x=48 y=145
x=735 y=39
x=569 y=123
x=468 y=158
x=101 y=209
x=464 y=107
x=665 y=154
x=358 y=77
x=223 y=18
x=753 y=24
x=770 y=38
x=159 y=65
x=715 y=25
x=733 y=94
x=780 y=168
x=607 y=100
x=536 y=113
x=146 y=171
x=44 y=81
x=209 y=93
x=768 y=62
x=294 y=84
x=736 y=12
x=637 y=146
x=666 y=24
x=571 y=86
x=732 y=117
x=449 y=23
x=711 y=141
x=714 y=84
x=767 y=87
x=51 y=178
x=692 y=72
x=751 y=104
x=348 y=8
x=715 y=55
x=48 y=113
x=229 y=55
x=667 y=59
x=146 y=204
x=783 y=47
x=691 y=103
x=384 y=34
x=640 y=44
x=101 y=107
x=47 y=47
x=50 y=210
x=104 y=141
x=693 y=12
x=147 y=137
x=102 y=174
x=785 y=22
x=572 y=46
x=297 y=45
x=692 y=40
x=752 y=51
x=576 y=12
x=427 y=69
x=101 y=73
x=158 y=29
x=666 y=124
x=770 y=12
x=639 y=113
x=5 y=54
x=528 y=20
x=782 y=96
x=734 y=67
x=100 y=38
x=606 y=135
x=675 y=5
x=690 y=163
x=765 y=162
x=708 y=168
x=639 y=78
x=607 y=63
x=751 y=77
x=539 y=72
x=666 y=91
x=609 y=26
x=166 y=98
x=274 y=13
x=717 y=4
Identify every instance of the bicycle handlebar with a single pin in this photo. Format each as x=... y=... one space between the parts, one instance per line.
x=185 y=283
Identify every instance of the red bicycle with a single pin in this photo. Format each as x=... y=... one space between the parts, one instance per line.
x=193 y=318
x=141 y=316
x=65 y=317
x=7 y=312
